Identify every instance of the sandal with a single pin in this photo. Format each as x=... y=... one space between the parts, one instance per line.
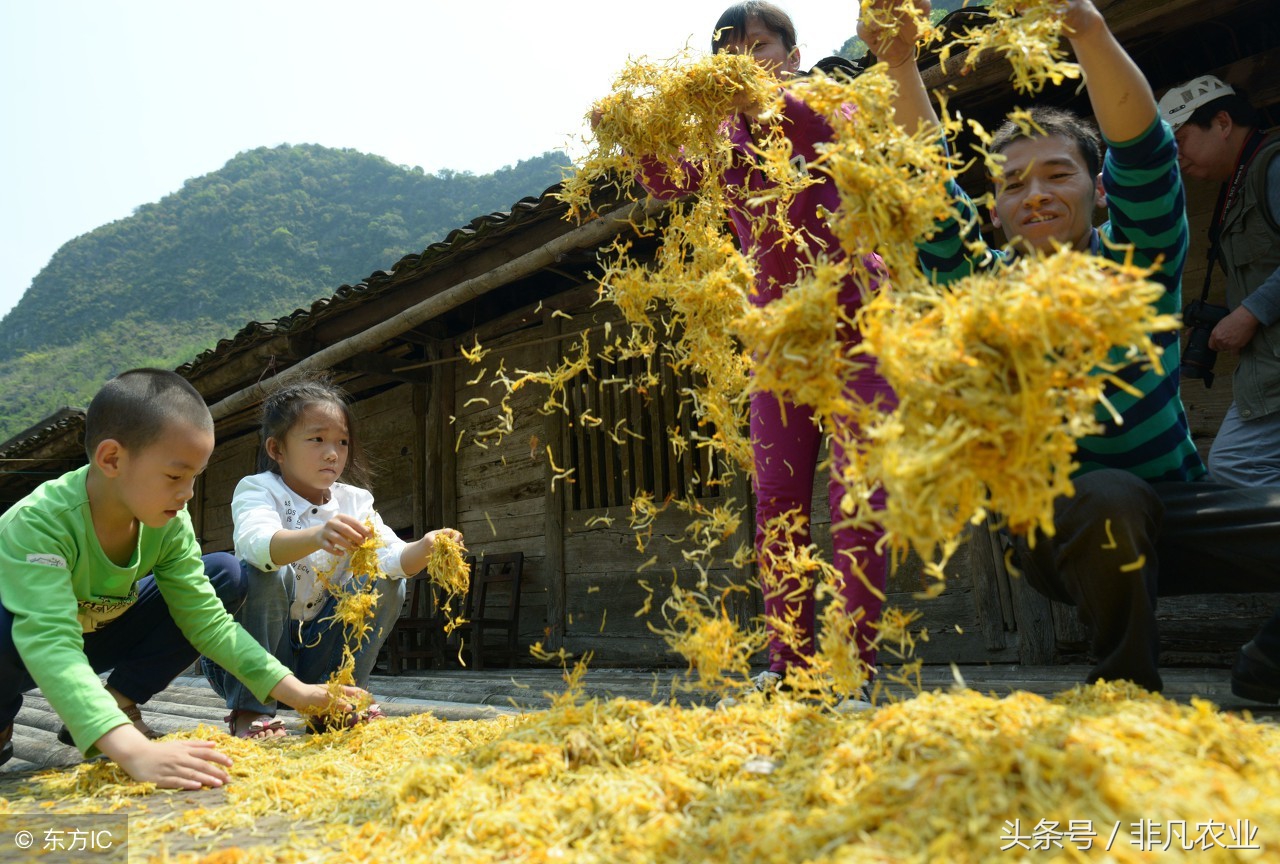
x=347 y=720
x=133 y=712
x=264 y=726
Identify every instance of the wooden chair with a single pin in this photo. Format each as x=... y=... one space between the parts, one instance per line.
x=494 y=604
x=418 y=635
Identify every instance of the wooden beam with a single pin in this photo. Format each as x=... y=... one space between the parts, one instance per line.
x=381 y=365
x=1256 y=74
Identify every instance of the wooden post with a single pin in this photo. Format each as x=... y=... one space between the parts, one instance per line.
x=426 y=455
x=750 y=606
x=1029 y=612
x=986 y=570
x=554 y=435
x=1033 y=613
x=439 y=410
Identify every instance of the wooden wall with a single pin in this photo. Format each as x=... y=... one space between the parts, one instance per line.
x=501 y=487
x=583 y=569
x=232 y=459
x=388 y=430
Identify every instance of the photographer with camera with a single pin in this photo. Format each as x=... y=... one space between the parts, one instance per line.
x=1219 y=138
x=1143 y=523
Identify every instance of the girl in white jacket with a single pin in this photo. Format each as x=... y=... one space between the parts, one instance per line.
x=293 y=521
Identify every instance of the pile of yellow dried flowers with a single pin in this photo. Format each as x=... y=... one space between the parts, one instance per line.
x=956 y=777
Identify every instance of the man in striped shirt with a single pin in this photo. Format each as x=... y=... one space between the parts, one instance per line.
x=1140 y=524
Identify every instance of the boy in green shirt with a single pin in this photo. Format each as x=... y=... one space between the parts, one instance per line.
x=76 y=597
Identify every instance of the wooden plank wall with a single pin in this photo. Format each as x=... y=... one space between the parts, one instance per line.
x=232 y=460
x=387 y=428
x=581 y=583
x=501 y=489
x=605 y=571
x=582 y=588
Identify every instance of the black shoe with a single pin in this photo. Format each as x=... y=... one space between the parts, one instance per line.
x=1255 y=676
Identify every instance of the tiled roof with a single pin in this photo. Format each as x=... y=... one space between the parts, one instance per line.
x=53 y=426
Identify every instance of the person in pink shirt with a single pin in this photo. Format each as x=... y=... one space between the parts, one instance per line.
x=786 y=438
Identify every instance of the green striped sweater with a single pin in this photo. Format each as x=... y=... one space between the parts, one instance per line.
x=1146 y=209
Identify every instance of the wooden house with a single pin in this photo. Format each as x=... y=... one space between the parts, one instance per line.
x=521 y=284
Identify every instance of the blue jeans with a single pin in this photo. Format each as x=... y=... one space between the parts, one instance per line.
x=311 y=650
x=143 y=647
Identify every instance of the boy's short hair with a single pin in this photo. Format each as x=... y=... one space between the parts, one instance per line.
x=135 y=406
x=1055 y=121
x=732 y=26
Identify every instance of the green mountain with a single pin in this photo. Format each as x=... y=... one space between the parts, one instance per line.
x=274 y=229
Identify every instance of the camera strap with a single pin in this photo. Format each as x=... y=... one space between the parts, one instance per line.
x=1227 y=196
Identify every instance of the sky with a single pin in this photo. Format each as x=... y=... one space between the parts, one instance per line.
x=111 y=104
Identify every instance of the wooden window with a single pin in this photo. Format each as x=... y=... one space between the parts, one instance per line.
x=631 y=448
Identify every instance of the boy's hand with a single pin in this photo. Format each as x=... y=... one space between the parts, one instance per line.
x=888 y=31
x=168 y=764
x=341 y=534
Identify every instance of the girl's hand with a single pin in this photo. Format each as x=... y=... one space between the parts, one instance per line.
x=451 y=533
x=179 y=765
x=314 y=698
x=341 y=534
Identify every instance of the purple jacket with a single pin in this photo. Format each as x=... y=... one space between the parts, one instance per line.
x=778 y=264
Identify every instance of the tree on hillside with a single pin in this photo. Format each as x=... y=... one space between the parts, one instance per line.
x=273 y=230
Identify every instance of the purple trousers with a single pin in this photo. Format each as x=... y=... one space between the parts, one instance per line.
x=786 y=442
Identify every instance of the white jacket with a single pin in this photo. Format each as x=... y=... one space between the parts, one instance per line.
x=263 y=505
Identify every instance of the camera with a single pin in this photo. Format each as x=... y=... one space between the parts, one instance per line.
x=1197 y=358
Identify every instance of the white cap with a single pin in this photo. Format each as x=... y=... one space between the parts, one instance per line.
x=1180 y=102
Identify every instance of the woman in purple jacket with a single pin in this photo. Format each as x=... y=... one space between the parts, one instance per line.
x=786 y=437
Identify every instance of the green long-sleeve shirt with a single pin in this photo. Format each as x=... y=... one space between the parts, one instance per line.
x=57 y=583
